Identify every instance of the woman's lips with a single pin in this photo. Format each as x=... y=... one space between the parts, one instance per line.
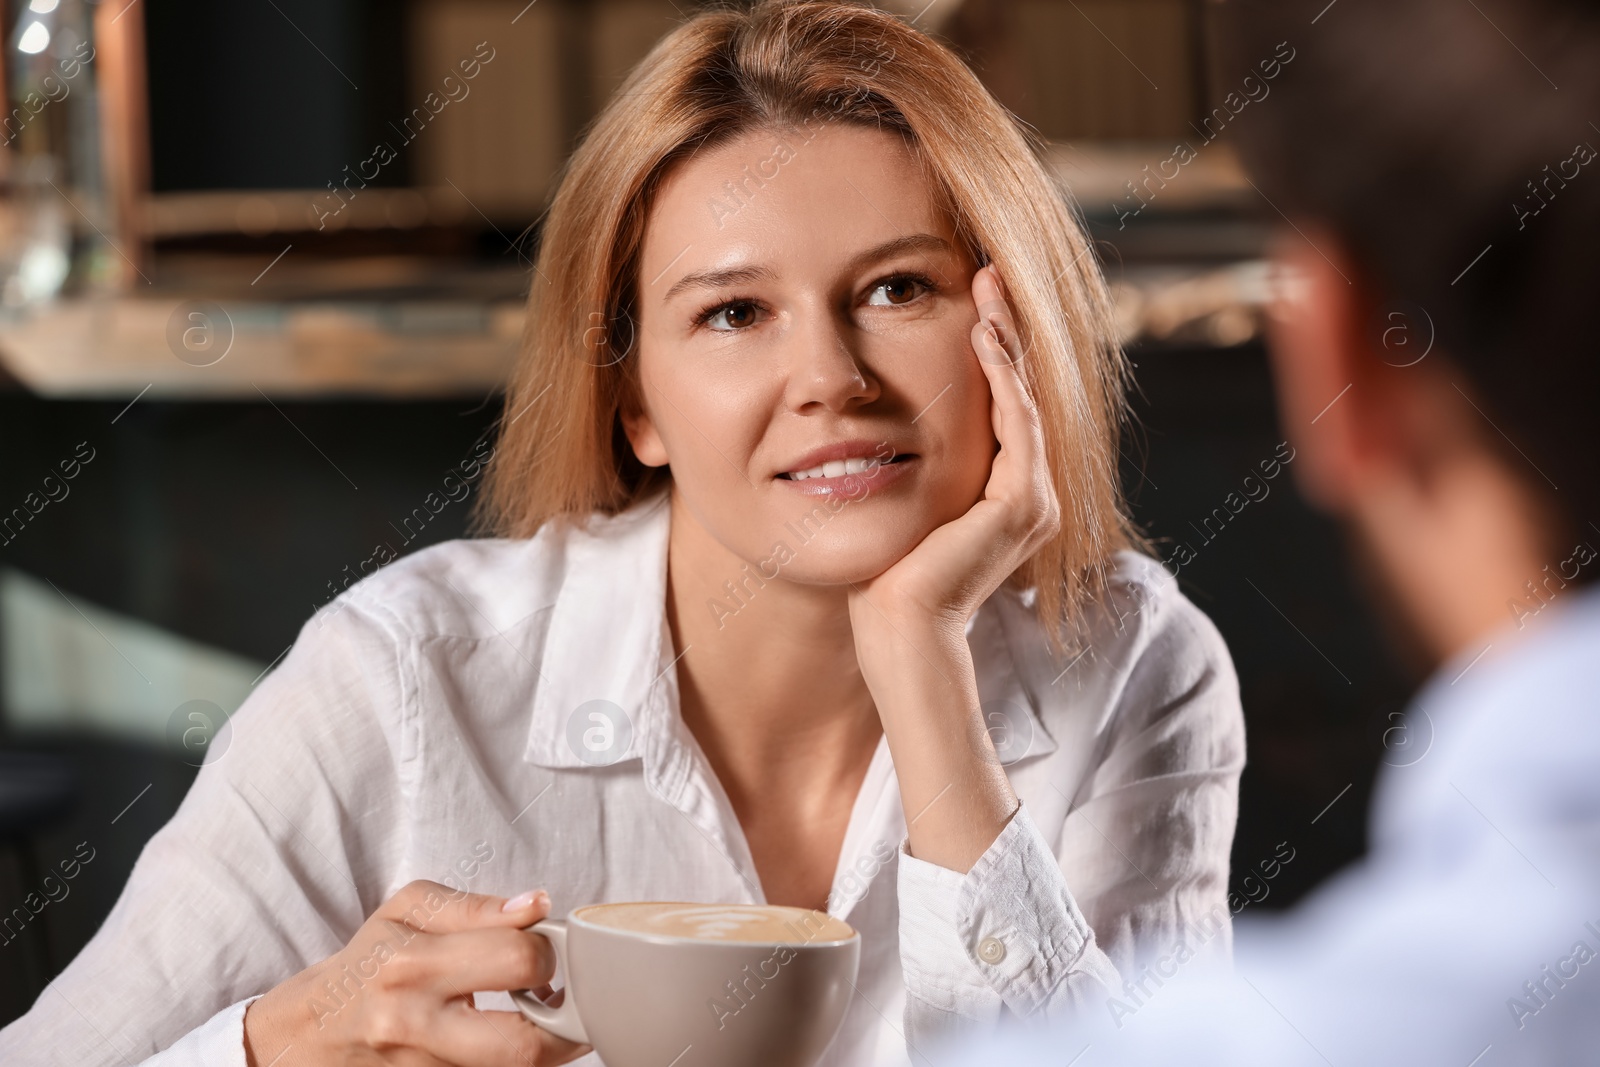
x=874 y=478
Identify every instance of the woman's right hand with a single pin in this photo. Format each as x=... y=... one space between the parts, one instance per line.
x=401 y=991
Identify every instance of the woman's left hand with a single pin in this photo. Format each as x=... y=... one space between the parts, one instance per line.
x=958 y=565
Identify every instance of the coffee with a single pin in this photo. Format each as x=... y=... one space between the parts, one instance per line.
x=766 y=923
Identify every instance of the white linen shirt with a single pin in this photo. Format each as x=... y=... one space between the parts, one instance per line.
x=429 y=723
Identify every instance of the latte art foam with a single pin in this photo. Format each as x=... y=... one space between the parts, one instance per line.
x=770 y=923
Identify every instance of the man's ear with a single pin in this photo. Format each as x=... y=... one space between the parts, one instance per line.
x=642 y=435
x=1321 y=365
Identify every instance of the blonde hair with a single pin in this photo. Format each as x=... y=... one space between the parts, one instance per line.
x=783 y=65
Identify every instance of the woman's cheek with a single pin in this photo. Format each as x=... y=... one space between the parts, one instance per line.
x=972 y=440
x=714 y=424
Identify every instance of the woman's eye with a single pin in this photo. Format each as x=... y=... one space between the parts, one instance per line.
x=736 y=316
x=901 y=289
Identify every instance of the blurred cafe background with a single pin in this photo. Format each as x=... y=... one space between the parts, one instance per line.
x=240 y=348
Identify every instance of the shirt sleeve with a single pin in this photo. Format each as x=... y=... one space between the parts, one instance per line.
x=1004 y=937
x=218 y=1042
x=1136 y=884
x=280 y=849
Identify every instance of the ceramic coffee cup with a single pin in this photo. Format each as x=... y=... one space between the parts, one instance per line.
x=699 y=985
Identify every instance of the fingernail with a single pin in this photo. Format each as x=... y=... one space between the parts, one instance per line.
x=542 y=899
x=521 y=900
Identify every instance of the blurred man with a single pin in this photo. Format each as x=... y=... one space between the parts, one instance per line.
x=1437 y=368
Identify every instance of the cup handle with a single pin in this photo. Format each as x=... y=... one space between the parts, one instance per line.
x=562 y=1021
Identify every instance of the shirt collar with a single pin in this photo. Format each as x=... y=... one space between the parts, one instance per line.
x=602 y=647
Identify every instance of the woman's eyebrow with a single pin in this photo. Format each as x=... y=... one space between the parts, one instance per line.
x=723 y=276
x=715 y=279
x=915 y=242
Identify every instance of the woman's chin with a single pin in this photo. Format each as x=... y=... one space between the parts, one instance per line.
x=842 y=558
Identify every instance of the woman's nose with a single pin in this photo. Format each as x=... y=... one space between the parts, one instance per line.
x=824 y=370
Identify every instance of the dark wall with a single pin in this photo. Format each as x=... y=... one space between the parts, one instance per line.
x=226 y=522
x=1317 y=683
x=279 y=95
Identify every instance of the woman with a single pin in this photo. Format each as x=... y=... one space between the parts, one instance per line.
x=814 y=588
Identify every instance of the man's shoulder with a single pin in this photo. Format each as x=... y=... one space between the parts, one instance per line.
x=1508 y=732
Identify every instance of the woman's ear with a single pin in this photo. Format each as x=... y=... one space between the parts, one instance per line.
x=641 y=430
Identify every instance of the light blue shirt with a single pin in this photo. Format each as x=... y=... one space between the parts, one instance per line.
x=1468 y=937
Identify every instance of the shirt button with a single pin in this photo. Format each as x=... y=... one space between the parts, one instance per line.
x=991 y=950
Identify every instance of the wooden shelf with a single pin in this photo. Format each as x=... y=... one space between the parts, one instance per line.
x=119 y=347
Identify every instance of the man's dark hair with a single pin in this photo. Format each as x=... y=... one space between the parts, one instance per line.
x=1451 y=144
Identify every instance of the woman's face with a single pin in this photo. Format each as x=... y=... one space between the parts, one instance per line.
x=804 y=305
